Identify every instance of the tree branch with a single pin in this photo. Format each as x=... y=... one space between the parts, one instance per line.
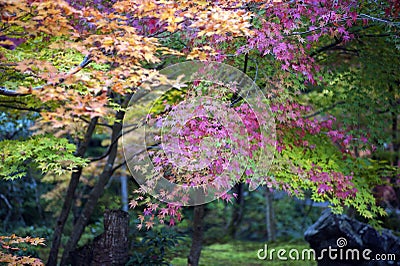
x=86 y=61
x=20 y=108
x=4 y=198
x=111 y=145
x=326 y=47
x=117 y=167
x=99 y=124
x=325 y=109
x=391 y=23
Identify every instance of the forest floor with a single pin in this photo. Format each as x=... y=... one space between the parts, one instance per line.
x=245 y=253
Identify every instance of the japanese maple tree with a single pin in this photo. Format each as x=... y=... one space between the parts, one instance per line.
x=78 y=64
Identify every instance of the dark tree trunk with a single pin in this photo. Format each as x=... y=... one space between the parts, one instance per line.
x=98 y=189
x=238 y=206
x=237 y=213
x=111 y=247
x=73 y=184
x=197 y=238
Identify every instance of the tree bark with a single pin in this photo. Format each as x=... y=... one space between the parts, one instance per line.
x=197 y=238
x=98 y=189
x=111 y=247
x=73 y=184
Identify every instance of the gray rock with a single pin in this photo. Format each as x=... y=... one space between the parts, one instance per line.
x=350 y=239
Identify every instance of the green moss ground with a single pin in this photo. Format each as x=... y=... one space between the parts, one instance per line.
x=241 y=253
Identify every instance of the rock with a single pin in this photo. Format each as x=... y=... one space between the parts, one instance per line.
x=348 y=239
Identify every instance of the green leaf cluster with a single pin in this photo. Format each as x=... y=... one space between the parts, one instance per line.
x=44 y=152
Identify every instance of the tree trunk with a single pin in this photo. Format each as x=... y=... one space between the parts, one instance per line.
x=111 y=247
x=237 y=213
x=197 y=238
x=238 y=206
x=269 y=216
x=73 y=184
x=98 y=189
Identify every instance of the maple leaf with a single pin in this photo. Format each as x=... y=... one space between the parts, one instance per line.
x=133 y=204
x=149 y=224
x=137 y=168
